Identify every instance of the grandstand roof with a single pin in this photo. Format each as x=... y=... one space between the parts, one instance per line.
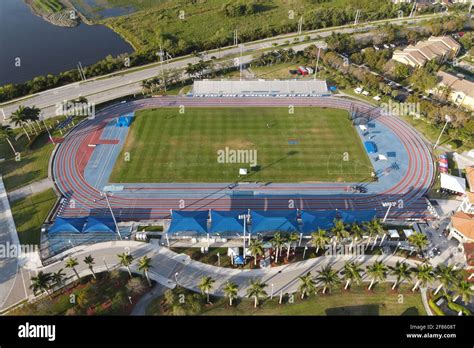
x=226 y=221
x=278 y=220
x=67 y=225
x=260 y=87
x=351 y=216
x=314 y=220
x=188 y=221
x=99 y=225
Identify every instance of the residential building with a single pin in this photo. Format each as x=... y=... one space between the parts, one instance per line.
x=439 y=48
x=460 y=90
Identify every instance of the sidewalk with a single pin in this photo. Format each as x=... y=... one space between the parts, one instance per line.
x=31 y=189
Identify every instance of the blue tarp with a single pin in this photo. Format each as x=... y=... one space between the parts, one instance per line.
x=227 y=222
x=238 y=260
x=99 y=225
x=313 y=220
x=279 y=220
x=67 y=225
x=188 y=221
x=370 y=147
x=124 y=121
x=359 y=216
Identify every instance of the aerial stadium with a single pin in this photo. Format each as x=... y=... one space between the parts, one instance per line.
x=318 y=158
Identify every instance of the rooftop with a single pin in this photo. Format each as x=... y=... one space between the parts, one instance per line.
x=464 y=223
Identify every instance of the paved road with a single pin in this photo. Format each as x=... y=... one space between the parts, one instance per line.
x=117 y=85
x=169 y=268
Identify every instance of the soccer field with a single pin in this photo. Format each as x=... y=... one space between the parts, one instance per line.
x=206 y=144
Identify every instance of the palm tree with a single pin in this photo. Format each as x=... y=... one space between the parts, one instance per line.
x=352 y=273
x=277 y=242
x=357 y=232
x=230 y=290
x=328 y=276
x=256 y=290
x=465 y=290
x=378 y=272
x=206 y=285
x=291 y=239
x=41 y=283
x=126 y=260
x=339 y=231
x=419 y=241
x=72 y=263
x=374 y=229
x=144 y=264
x=19 y=118
x=424 y=274
x=256 y=248
x=7 y=134
x=447 y=275
x=402 y=271
x=307 y=285
x=319 y=239
x=32 y=115
x=57 y=278
x=89 y=261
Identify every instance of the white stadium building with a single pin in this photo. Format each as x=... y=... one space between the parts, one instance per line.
x=259 y=88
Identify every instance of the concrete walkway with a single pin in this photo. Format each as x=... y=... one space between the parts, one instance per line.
x=142 y=305
x=31 y=189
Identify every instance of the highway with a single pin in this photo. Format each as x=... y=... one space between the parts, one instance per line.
x=119 y=84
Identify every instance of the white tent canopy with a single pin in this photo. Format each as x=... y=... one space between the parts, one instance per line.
x=393 y=234
x=453 y=183
x=382 y=158
x=362 y=127
x=408 y=233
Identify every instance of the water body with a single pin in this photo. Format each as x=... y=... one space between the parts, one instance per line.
x=48 y=49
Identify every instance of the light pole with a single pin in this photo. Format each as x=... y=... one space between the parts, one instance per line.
x=271 y=295
x=244 y=217
x=304 y=252
x=448 y=119
x=111 y=212
x=390 y=205
x=47 y=129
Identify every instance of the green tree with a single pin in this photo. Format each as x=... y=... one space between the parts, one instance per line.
x=447 y=276
x=57 y=278
x=230 y=290
x=419 y=241
x=19 y=118
x=464 y=290
x=378 y=272
x=41 y=283
x=319 y=239
x=256 y=290
x=256 y=248
x=89 y=261
x=307 y=285
x=126 y=259
x=72 y=263
x=352 y=273
x=144 y=264
x=206 y=286
x=293 y=238
x=6 y=133
x=328 y=277
x=423 y=274
x=339 y=231
x=277 y=242
x=401 y=271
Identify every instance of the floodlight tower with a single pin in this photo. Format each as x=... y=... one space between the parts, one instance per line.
x=105 y=194
x=448 y=119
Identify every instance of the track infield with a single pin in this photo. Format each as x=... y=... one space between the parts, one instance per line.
x=310 y=145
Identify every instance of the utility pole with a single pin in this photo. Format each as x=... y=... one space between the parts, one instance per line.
x=300 y=25
x=356 y=20
x=448 y=119
x=82 y=74
x=111 y=212
x=413 y=9
x=236 y=38
x=240 y=60
x=317 y=62
x=161 y=54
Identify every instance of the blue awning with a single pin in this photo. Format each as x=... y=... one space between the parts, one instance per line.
x=188 y=221
x=67 y=225
x=359 y=216
x=370 y=147
x=99 y=225
x=317 y=219
x=269 y=221
x=227 y=222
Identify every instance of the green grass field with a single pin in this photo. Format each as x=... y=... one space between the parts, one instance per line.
x=358 y=301
x=29 y=214
x=307 y=146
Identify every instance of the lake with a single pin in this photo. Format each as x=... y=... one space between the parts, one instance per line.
x=45 y=48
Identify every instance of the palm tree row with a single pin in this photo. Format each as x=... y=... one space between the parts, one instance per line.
x=25 y=116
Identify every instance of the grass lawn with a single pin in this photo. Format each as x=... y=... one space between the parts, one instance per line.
x=29 y=214
x=358 y=301
x=307 y=146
